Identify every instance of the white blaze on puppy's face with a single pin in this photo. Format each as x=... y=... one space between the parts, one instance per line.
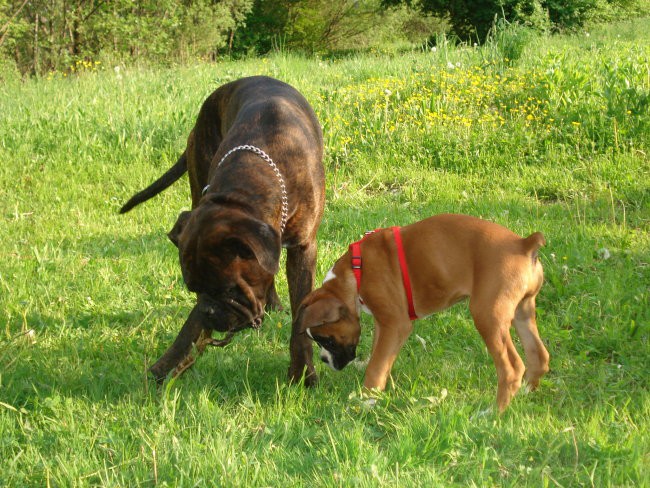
x=325 y=355
x=327 y=358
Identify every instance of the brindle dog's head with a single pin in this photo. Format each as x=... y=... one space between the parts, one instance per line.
x=332 y=325
x=229 y=260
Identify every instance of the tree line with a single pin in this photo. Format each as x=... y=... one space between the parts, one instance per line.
x=37 y=36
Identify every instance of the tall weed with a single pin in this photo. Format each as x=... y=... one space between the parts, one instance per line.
x=506 y=42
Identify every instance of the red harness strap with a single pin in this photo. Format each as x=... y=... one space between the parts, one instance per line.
x=355 y=253
x=397 y=233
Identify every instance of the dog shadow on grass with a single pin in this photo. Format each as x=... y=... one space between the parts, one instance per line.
x=106 y=357
x=112 y=246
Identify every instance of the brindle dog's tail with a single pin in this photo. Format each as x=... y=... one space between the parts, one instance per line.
x=169 y=177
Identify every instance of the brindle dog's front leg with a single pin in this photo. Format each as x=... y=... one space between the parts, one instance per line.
x=178 y=357
x=301 y=266
x=272 y=299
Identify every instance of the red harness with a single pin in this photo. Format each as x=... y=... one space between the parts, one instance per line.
x=355 y=252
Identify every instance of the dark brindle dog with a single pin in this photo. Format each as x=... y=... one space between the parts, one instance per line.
x=254 y=160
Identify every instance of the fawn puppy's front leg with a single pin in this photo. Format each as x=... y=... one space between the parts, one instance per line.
x=389 y=337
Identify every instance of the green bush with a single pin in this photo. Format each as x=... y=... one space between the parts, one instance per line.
x=47 y=35
x=325 y=26
x=471 y=21
x=8 y=70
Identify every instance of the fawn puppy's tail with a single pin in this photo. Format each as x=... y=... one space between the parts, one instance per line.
x=532 y=243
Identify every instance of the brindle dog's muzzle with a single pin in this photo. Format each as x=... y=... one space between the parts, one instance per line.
x=217 y=313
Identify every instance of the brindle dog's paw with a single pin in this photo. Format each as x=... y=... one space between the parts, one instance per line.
x=275 y=306
x=304 y=375
x=311 y=379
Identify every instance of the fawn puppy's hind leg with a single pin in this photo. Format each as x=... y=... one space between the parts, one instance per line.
x=537 y=357
x=493 y=323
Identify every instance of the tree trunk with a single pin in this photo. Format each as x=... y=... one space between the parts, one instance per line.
x=36 y=60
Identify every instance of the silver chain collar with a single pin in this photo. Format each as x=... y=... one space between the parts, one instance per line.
x=276 y=170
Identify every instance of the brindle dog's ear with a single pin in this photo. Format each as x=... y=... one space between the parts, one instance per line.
x=324 y=309
x=264 y=243
x=175 y=233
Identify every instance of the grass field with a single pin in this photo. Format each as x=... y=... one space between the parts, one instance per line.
x=553 y=138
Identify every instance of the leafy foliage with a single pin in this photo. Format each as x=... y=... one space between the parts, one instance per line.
x=324 y=26
x=42 y=35
x=37 y=36
x=471 y=20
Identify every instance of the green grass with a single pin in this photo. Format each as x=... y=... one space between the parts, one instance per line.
x=556 y=141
